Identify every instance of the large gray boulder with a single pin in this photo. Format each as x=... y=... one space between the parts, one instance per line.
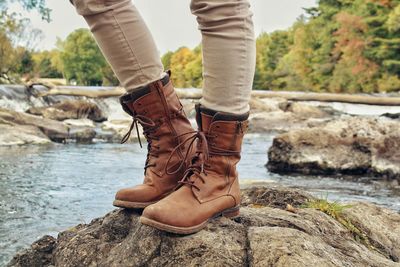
x=352 y=145
x=272 y=230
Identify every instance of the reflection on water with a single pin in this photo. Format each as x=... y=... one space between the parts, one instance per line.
x=45 y=189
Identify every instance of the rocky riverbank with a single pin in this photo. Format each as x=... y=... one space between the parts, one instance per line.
x=28 y=118
x=277 y=227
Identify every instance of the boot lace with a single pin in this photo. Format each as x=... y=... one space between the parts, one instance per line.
x=198 y=162
x=149 y=128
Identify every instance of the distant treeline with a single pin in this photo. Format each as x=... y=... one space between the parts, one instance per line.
x=338 y=46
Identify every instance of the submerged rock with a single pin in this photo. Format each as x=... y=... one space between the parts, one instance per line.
x=263 y=235
x=353 y=145
x=70 y=109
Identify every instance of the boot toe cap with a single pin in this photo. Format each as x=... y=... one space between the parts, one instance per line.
x=141 y=193
x=153 y=212
x=168 y=214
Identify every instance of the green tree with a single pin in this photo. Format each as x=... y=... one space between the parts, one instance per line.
x=393 y=22
x=17 y=41
x=194 y=69
x=186 y=66
x=166 y=59
x=179 y=61
x=82 y=59
x=27 y=64
x=270 y=50
x=48 y=64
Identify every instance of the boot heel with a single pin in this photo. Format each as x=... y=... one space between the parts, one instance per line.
x=231 y=213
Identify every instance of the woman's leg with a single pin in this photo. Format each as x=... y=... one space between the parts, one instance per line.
x=229 y=53
x=151 y=99
x=124 y=40
x=211 y=185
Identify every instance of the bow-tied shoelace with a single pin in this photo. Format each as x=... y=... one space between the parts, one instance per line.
x=198 y=162
x=149 y=126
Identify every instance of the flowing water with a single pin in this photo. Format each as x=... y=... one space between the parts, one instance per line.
x=46 y=189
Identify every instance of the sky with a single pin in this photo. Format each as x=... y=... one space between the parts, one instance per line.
x=170 y=22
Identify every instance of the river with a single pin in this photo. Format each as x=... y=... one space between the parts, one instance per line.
x=45 y=189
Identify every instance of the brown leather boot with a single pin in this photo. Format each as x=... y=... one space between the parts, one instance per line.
x=157 y=108
x=210 y=186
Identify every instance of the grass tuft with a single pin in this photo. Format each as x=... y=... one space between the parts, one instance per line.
x=335 y=210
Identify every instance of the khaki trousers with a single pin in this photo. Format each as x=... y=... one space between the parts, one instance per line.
x=227 y=39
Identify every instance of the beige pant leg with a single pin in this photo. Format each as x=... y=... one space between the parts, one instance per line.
x=229 y=53
x=124 y=40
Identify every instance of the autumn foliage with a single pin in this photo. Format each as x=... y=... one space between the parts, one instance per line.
x=338 y=46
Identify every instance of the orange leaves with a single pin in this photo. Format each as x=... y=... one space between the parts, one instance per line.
x=351 y=44
x=385 y=3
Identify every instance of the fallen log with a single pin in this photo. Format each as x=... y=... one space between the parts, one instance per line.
x=84 y=91
x=330 y=97
x=104 y=92
x=192 y=93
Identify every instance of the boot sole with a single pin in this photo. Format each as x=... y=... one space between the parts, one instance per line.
x=228 y=213
x=132 y=205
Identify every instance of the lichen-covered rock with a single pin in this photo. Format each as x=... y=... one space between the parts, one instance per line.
x=353 y=145
x=261 y=236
